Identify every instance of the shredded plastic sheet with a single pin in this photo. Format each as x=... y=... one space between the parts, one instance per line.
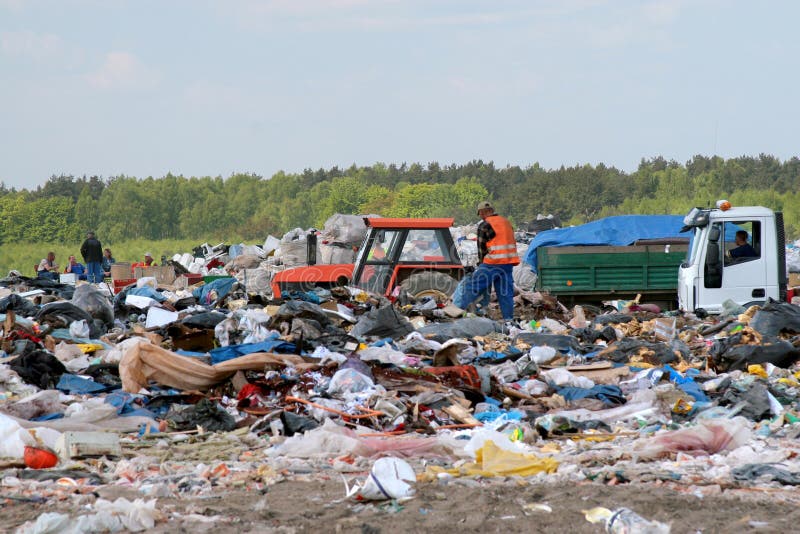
x=122 y=514
x=493 y=461
x=708 y=437
x=332 y=440
x=144 y=362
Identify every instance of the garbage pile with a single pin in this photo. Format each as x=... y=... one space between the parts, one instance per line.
x=188 y=391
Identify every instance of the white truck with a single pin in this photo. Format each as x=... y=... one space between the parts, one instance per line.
x=718 y=267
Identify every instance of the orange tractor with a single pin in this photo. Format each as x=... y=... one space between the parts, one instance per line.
x=416 y=255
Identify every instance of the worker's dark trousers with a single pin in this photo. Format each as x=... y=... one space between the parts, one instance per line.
x=486 y=276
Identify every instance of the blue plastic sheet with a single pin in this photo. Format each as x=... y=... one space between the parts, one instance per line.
x=222 y=286
x=126 y=405
x=76 y=385
x=147 y=291
x=619 y=231
x=223 y=354
x=686 y=384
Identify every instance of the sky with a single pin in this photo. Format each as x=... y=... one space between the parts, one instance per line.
x=212 y=88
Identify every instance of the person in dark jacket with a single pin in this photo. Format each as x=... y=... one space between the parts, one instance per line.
x=92 y=252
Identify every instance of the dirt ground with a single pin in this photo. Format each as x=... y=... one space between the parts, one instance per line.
x=463 y=506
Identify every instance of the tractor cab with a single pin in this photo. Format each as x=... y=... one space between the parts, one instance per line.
x=417 y=255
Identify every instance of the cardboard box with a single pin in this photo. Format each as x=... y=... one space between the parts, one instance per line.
x=164 y=274
x=121 y=271
x=794 y=279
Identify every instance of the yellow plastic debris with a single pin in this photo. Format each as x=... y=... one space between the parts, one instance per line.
x=88 y=348
x=757 y=370
x=597 y=514
x=492 y=461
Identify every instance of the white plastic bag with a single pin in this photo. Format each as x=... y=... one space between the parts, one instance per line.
x=79 y=329
x=349 y=381
x=561 y=377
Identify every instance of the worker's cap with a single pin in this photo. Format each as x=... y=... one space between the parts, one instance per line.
x=485 y=205
x=90 y=233
x=148 y=255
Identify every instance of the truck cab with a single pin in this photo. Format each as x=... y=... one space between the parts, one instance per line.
x=747 y=268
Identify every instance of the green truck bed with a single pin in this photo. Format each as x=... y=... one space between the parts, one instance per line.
x=613 y=271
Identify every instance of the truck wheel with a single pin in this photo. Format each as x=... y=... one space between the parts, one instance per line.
x=430 y=283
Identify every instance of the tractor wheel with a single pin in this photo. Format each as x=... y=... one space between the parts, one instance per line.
x=430 y=284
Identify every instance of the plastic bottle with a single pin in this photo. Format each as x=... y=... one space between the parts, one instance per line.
x=626 y=521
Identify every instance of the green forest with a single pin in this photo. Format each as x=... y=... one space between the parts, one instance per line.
x=248 y=207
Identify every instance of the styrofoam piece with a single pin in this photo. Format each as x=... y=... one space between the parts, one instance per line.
x=72 y=445
x=139 y=302
x=159 y=317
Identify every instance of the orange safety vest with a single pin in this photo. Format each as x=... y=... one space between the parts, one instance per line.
x=502 y=250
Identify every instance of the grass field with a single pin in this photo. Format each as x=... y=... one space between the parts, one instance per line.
x=23 y=256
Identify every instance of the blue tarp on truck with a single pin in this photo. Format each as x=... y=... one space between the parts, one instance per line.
x=620 y=230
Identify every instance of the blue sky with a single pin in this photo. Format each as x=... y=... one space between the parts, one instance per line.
x=201 y=87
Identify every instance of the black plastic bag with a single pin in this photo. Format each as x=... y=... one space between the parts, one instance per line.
x=382 y=322
x=753 y=472
x=39 y=368
x=62 y=314
x=561 y=343
x=18 y=305
x=776 y=317
x=612 y=318
x=204 y=320
x=299 y=309
x=205 y=413
x=294 y=424
x=729 y=355
x=755 y=399
x=622 y=351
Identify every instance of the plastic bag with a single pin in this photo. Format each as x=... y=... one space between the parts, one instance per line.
x=254 y=281
x=542 y=355
x=340 y=228
x=383 y=354
x=561 y=377
x=88 y=298
x=493 y=461
x=271 y=244
x=468 y=328
x=776 y=317
x=121 y=514
x=708 y=437
x=383 y=322
x=349 y=381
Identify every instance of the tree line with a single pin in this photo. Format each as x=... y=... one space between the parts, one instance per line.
x=249 y=206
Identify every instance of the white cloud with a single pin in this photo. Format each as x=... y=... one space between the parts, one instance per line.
x=30 y=45
x=123 y=70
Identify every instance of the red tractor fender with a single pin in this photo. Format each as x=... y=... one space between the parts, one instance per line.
x=317 y=274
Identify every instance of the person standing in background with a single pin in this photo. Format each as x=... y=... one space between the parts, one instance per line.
x=92 y=252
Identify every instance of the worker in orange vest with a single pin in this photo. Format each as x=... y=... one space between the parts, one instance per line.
x=497 y=254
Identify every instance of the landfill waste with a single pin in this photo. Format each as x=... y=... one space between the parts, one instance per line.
x=625 y=521
x=389 y=478
x=198 y=385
